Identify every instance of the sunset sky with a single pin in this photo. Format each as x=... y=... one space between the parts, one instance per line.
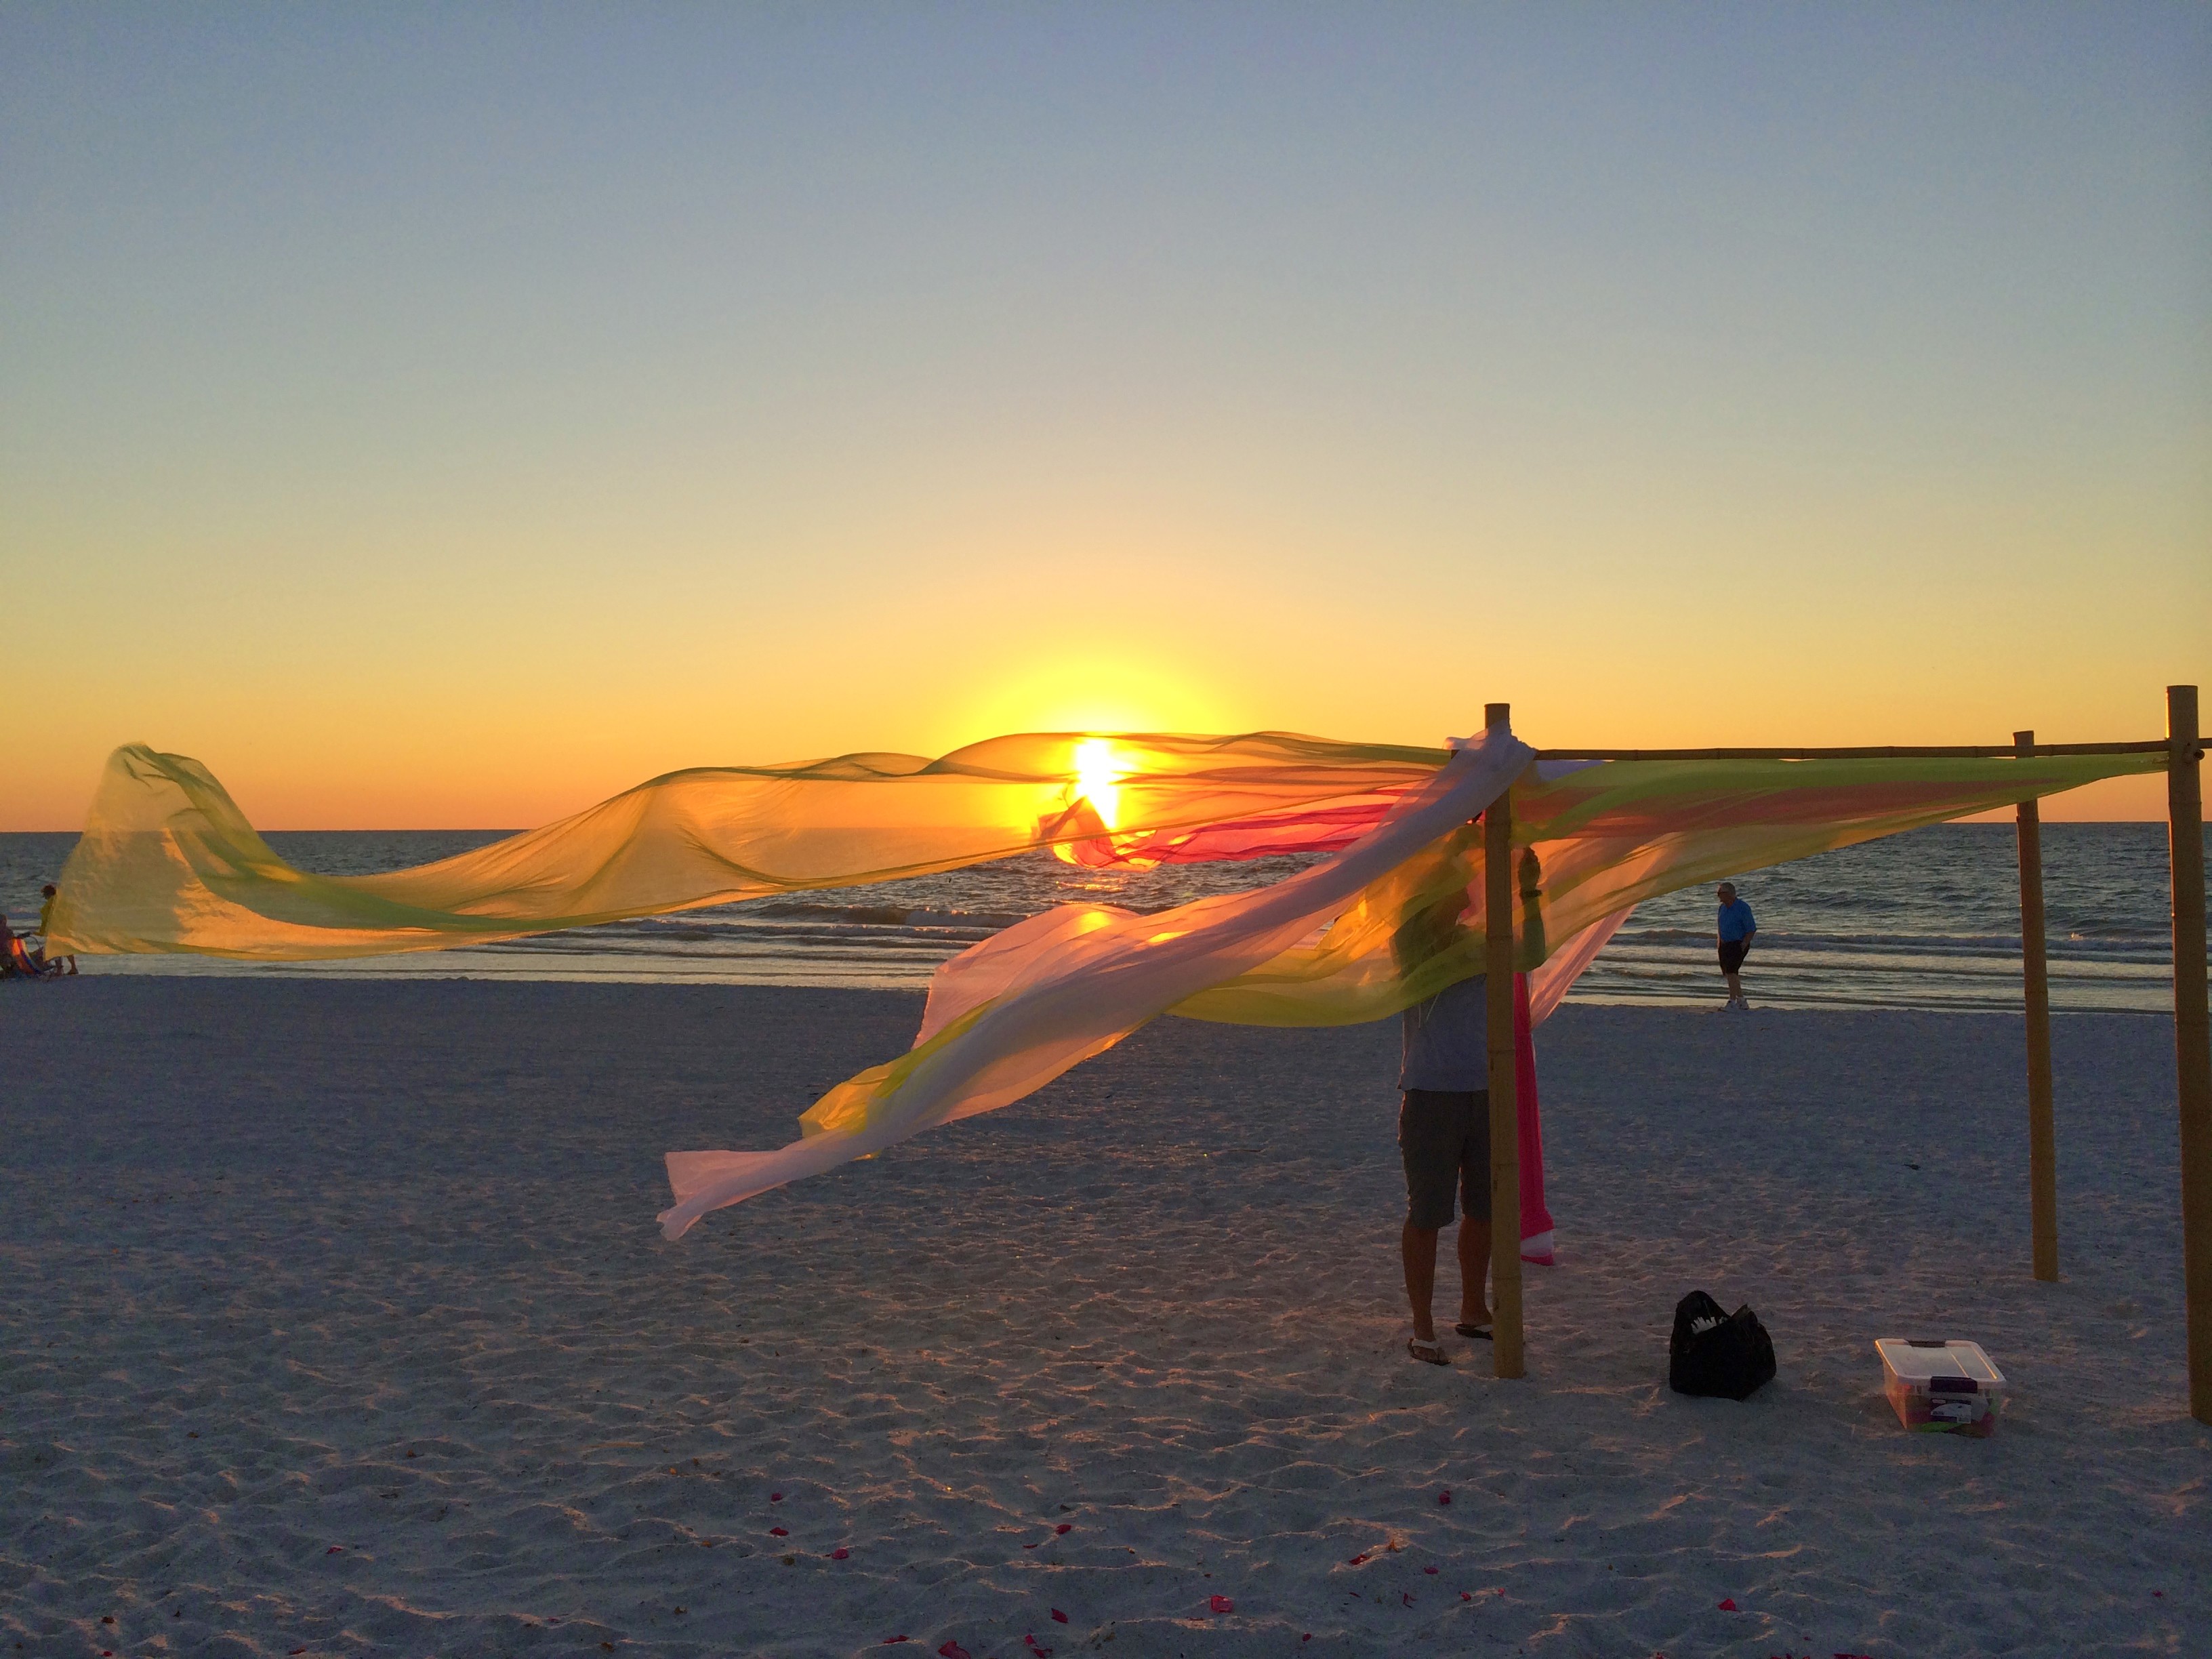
x=447 y=416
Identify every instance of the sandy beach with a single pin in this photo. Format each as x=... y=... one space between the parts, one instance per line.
x=336 y=1321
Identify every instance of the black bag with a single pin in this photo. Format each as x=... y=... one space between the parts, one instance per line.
x=1714 y=1353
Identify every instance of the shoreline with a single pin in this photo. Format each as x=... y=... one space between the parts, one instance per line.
x=265 y=1237
x=437 y=967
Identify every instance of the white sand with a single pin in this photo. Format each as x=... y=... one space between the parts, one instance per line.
x=336 y=1321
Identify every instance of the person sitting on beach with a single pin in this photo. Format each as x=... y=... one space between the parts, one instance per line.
x=1736 y=932
x=18 y=958
x=47 y=929
x=1444 y=1125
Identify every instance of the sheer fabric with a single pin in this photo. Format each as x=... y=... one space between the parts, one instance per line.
x=168 y=863
x=1086 y=977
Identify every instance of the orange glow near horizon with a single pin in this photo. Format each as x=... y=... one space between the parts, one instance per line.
x=1219 y=372
x=482 y=768
x=1097 y=691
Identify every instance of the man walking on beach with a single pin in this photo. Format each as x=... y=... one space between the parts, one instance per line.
x=1736 y=931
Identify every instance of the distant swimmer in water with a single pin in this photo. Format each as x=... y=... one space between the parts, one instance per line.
x=1737 y=930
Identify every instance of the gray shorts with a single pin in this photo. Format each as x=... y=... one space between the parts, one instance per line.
x=1444 y=1138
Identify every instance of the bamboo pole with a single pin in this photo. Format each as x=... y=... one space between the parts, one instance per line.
x=2035 y=981
x=2192 y=1033
x=1948 y=751
x=1504 y=1106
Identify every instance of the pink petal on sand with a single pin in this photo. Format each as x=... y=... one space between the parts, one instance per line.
x=335 y=1549
x=775 y=1498
x=1062 y=1530
x=1356 y=1561
x=1222 y=1604
x=1057 y=1617
x=954 y=1650
x=1467 y=1596
x=1406 y=1599
x=1429 y=1570
x=893 y=1640
x=1029 y=1546
x=779 y=1532
x=1445 y=1497
x=839 y=1555
x=1728 y=1604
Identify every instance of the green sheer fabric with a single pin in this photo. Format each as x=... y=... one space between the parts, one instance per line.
x=1600 y=839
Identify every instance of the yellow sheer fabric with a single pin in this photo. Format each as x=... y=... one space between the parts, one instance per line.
x=167 y=862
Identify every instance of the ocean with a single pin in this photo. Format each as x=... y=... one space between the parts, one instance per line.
x=1926 y=919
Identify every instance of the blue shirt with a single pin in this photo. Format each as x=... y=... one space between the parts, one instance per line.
x=1736 y=922
x=1447 y=1039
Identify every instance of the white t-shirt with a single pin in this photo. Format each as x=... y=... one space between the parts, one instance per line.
x=1446 y=1040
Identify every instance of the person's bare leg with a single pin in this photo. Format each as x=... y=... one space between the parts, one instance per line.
x=1473 y=1271
x=1419 y=1247
x=1735 y=986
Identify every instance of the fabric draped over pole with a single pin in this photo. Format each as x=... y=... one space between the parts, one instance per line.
x=169 y=863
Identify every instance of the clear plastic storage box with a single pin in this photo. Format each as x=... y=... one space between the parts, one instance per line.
x=1941 y=1388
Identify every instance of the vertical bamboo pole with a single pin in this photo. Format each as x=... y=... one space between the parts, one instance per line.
x=2035 y=977
x=2192 y=1033
x=1504 y=1107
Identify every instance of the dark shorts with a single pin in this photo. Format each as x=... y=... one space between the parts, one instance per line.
x=1444 y=1138
x=1732 y=954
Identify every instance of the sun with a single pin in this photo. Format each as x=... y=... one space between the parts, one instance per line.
x=1097 y=773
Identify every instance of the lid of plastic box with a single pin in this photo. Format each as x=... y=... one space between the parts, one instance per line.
x=1919 y=1361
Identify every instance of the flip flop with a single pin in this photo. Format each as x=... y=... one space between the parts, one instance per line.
x=1477 y=1333
x=1428 y=1350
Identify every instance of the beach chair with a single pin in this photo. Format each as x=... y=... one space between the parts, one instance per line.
x=19 y=960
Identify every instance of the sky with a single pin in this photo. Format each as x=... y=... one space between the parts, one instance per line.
x=451 y=416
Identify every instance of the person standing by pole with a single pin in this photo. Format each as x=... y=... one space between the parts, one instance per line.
x=1444 y=1115
x=1737 y=930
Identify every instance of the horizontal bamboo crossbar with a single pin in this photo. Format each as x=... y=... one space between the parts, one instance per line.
x=1955 y=751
